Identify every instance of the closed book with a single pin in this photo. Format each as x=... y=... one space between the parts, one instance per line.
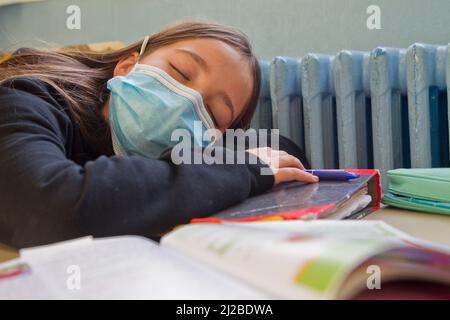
x=419 y=189
x=296 y=200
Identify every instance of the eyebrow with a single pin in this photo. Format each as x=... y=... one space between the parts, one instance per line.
x=225 y=97
x=195 y=56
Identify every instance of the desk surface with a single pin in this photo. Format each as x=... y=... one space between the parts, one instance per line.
x=432 y=227
x=427 y=226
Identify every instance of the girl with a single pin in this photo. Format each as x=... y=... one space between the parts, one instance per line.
x=84 y=137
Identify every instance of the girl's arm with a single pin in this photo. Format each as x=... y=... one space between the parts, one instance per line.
x=46 y=197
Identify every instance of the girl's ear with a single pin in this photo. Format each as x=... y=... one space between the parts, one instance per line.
x=125 y=64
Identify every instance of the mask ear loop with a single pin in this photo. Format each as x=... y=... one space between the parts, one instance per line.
x=144 y=46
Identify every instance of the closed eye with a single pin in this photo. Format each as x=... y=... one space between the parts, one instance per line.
x=179 y=72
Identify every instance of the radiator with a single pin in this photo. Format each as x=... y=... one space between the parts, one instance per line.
x=383 y=109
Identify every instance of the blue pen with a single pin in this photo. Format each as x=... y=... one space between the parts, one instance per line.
x=333 y=175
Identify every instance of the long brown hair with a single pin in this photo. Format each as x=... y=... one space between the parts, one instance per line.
x=81 y=77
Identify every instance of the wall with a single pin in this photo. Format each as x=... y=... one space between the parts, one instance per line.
x=287 y=27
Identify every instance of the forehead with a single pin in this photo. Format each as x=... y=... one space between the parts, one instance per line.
x=228 y=69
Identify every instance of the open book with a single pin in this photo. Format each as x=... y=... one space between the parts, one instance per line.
x=320 y=259
x=124 y=267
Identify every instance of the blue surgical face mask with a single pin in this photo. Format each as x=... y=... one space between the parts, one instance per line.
x=145 y=108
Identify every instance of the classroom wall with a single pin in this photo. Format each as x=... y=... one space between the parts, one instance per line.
x=276 y=27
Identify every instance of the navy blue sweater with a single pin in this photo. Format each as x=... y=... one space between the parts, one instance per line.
x=54 y=185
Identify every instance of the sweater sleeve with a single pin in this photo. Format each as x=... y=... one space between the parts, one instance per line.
x=46 y=197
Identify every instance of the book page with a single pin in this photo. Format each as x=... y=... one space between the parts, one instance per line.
x=118 y=268
x=348 y=229
x=292 y=259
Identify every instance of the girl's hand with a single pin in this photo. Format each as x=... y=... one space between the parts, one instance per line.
x=284 y=166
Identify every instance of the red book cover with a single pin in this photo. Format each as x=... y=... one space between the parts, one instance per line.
x=297 y=200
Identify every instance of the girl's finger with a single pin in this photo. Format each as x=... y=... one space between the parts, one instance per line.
x=290 y=174
x=289 y=161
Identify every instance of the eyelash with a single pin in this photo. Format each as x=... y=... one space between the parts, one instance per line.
x=181 y=73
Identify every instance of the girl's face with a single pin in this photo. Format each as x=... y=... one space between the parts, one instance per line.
x=213 y=68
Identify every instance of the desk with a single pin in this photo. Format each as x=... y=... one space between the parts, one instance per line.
x=427 y=226
x=432 y=227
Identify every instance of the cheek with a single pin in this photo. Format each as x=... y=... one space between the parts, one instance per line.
x=156 y=60
x=222 y=114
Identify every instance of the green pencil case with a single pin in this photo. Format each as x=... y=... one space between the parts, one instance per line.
x=419 y=189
